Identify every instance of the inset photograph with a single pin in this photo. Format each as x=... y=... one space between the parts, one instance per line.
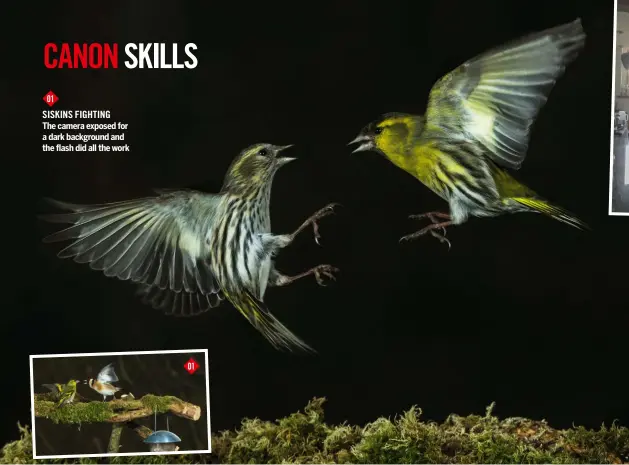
x=619 y=172
x=120 y=403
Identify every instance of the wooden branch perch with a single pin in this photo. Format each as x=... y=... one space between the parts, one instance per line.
x=134 y=409
x=115 y=411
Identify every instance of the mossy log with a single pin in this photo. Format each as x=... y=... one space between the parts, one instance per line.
x=115 y=411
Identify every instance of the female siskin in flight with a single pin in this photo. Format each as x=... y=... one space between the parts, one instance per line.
x=189 y=250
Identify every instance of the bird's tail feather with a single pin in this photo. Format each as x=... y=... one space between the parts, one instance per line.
x=256 y=312
x=59 y=403
x=554 y=211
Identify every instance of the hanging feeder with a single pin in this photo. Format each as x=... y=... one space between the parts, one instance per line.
x=162 y=440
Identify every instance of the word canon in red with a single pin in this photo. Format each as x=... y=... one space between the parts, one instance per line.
x=94 y=56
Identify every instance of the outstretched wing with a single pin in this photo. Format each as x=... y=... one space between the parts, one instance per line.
x=179 y=303
x=161 y=241
x=55 y=389
x=107 y=374
x=494 y=98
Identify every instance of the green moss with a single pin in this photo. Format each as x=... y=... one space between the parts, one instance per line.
x=597 y=446
x=304 y=437
x=81 y=412
x=20 y=451
x=159 y=404
x=97 y=411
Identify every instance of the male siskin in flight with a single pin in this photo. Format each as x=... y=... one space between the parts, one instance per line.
x=67 y=394
x=478 y=123
x=103 y=382
x=188 y=250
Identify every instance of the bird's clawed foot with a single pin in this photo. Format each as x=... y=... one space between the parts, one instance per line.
x=323 y=273
x=437 y=224
x=325 y=211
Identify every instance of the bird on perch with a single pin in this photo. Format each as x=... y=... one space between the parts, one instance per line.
x=67 y=394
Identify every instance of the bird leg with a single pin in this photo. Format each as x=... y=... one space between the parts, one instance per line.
x=435 y=218
x=432 y=216
x=312 y=220
x=272 y=242
x=320 y=272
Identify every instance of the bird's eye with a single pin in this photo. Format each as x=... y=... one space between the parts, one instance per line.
x=378 y=131
x=263 y=152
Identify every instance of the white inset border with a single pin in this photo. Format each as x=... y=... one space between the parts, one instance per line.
x=110 y=354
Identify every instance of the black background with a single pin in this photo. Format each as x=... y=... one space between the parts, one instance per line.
x=157 y=374
x=523 y=310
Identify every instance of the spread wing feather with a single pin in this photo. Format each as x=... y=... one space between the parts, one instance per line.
x=160 y=242
x=107 y=374
x=179 y=303
x=494 y=98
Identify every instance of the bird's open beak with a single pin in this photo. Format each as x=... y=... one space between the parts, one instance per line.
x=366 y=143
x=284 y=160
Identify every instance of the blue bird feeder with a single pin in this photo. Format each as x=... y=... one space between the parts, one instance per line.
x=162 y=441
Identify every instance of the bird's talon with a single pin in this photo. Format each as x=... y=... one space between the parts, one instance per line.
x=442 y=238
x=320 y=280
x=325 y=211
x=317 y=236
x=332 y=206
x=326 y=271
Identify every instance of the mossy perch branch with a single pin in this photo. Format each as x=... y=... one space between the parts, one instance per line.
x=115 y=411
x=119 y=412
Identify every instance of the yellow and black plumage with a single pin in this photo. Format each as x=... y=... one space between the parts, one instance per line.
x=56 y=389
x=67 y=394
x=188 y=250
x=477 y=124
